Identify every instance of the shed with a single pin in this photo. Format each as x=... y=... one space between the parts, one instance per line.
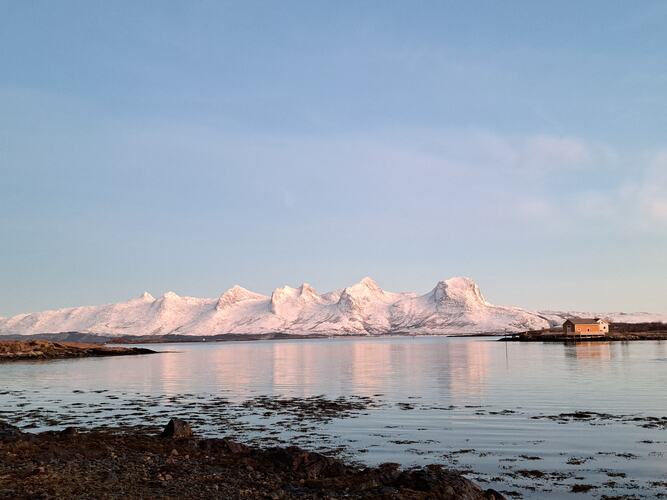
x=585 y=326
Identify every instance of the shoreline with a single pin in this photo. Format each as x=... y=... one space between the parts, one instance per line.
x=74 y=344
x=91 y=339
x=560 y=337
x=132 y=462
x=41 y=350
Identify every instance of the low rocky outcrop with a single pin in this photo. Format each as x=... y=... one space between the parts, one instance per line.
x=135 y=463
x=16 y=350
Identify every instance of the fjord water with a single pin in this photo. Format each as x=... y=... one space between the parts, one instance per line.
x=472 y=403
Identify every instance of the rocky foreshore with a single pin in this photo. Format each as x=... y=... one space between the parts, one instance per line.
x=135 y=463
x=559 y=336
x=43 y=349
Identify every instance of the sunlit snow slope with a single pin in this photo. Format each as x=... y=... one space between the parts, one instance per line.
x=454 y=306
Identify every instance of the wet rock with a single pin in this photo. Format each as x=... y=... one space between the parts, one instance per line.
x=224 y=445
x=136 y=463
x=582 y=488
x=444 y=484
x=313 y=465
x=236 y=448
x=9 y=432
x=530 y=473
x=177 y=429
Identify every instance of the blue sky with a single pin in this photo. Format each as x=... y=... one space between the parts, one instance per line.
x=190 y=146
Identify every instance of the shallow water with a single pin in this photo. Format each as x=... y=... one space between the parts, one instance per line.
x=473 y=403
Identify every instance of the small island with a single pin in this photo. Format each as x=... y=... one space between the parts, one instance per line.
x=15 y=350
x=593 y=329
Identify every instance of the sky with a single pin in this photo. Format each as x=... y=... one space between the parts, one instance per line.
x=194 y=145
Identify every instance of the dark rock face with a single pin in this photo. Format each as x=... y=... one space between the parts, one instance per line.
x=9 y=432
x=177 y=429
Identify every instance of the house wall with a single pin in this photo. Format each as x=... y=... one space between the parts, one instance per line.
x=585 y=329
x=590 y=329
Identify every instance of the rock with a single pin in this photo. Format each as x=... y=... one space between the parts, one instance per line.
x=491 y=494
x=69 y=431
x=177 y=429
x=445 y=484
x=235 y=447
x=224 y=444
x=9 y=432
x=313 y=465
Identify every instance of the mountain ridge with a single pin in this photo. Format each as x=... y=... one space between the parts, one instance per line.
x=453 y=306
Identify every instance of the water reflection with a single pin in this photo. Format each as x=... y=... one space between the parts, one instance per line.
x=456 y=369
x=447 y=371
x=468 y=366
x=589 y=351
x=532 y=379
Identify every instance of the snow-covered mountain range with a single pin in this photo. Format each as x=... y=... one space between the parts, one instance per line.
x=454 y=306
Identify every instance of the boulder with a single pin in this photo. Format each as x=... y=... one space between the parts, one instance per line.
x=439 y=482
x=177 y=429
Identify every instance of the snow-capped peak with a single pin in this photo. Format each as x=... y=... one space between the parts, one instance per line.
x=370 y=283
x=366 y=287
x=284 y=292
x=354 y=299
x=286 y=301
x=455 y=305
x=459 y=289
x=307 y=292
x=144 y=297
x=235 y=295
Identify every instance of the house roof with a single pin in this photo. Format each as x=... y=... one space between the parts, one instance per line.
x=584 y=321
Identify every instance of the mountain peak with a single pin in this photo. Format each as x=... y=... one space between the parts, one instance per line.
x=307 y=292
x=284 y=291
x=238 y=290
x=365 y=287
x=284 y=299
x=364 y=292
x=460 y=289
x=455 y=305
x=369 y=282
x=234 y=295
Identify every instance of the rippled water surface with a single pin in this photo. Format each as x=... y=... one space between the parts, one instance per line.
x=497 y=410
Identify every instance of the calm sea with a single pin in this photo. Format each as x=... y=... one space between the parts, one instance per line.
x=496 y=410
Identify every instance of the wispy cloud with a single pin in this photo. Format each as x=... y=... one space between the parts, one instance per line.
x=649 y=193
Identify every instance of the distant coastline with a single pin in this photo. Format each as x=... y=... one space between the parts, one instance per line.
x=89 y=338
x=620 y=332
